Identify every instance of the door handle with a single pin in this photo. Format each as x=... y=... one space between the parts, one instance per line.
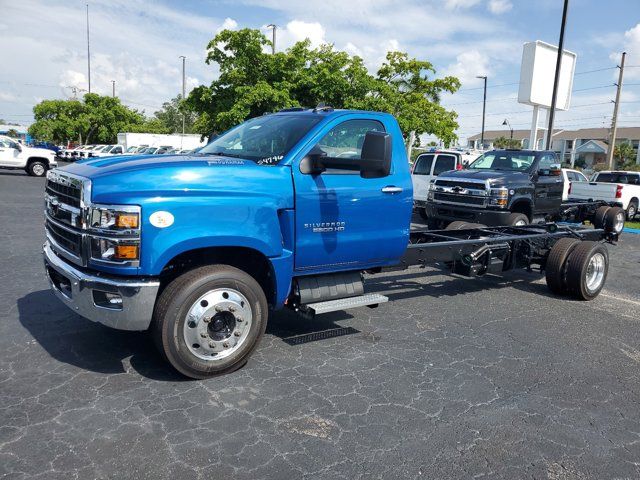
x=391 y=189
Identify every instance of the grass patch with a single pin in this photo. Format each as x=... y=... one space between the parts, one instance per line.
x=632 y=224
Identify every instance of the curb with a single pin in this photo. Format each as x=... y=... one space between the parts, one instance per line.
x=632 y=230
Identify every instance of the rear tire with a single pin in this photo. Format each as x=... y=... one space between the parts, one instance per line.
x=555 y=268
x=598 y=218
x=37 y=169
x=632 y=209
x=517 y=220
x=587 y=268
x=614 y=220
x=208 y=321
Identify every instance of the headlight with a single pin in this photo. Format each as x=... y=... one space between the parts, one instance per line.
x=499 y=197
x=114 y=218
x=430 y=191
x=115 y=233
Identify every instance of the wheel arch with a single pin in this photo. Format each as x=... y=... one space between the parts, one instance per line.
x=524 y=206
x=249 y=260
x=30 y=160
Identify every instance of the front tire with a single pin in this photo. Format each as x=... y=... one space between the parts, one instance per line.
x=37 y=169
x=208 y=321
x=632 y=210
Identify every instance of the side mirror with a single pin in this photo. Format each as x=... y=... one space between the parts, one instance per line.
x=375 y=159
x=312 y=163
x=553 y=171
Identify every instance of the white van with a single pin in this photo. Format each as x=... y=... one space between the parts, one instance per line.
x=426 y=168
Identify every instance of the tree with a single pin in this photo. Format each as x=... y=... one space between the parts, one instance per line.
x=171 y=114
x=95 y=119
x=253 y=82
x=624 y=155
x=12 y=132
x=504 y=142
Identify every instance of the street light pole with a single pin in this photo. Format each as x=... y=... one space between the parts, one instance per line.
x=506 y=122
x=88 y=52
x=113 y=88
x=484 y=107
x=183 y=92
x=556 y=79
x=273 y=27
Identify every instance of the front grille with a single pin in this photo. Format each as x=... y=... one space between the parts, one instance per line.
x=461 y=199
x=68 y=194
x=68 y=240
x=455 y=183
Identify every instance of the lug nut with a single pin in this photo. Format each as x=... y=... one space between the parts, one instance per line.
x=238 y=319
x=206 y=319
x=225 y=345
x=212 y=345
x=203 y=335
x=237 y=334
x=232 y=309
x=219 y=308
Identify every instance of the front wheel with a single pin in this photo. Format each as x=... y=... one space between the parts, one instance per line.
x=36 y=169
x=632 y=210
x=208 y=321
x=517 y=220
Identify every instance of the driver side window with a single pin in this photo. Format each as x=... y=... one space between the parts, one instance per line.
x=345 y=140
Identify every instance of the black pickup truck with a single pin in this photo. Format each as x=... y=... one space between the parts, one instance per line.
x=505 y=187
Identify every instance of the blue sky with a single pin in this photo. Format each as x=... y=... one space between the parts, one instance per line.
x=137 y=44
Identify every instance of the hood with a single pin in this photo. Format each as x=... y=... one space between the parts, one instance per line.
x=136 y=178
x=38 y=151
x=495 y=177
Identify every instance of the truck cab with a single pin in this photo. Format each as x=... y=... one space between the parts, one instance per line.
x=501 y=187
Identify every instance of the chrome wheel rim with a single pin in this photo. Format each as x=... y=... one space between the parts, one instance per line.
x=38 y=169
x=595 y=272
x=618 y=223
x=632 y=212
x=217 y=324
x=520 y=223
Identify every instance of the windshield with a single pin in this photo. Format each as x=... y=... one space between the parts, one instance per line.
x=265 y=140
x=512 y=161
x=132 y=149
x=615 y=177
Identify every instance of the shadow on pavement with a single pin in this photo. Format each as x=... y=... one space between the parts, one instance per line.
x=71 y=339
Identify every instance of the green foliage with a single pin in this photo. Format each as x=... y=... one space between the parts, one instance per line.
x=12 y=132
x=253 y=82
x=625 y=156
x=169 y=118
x=95 y=119
x=504 y=142
x=598 y=167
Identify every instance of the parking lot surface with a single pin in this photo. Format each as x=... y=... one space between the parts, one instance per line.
x=456 y=378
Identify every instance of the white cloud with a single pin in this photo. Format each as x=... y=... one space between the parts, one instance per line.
x=631 y=45
x=298 y=30
x=468 y=66
x=7 y=97
x=228 y=24
x=499 y=6
x=457 y=4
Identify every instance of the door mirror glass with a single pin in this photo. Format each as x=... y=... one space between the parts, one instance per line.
x=375 y=161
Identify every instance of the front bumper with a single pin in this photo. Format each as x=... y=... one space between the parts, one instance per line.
x=451 y=213
x=85 y=293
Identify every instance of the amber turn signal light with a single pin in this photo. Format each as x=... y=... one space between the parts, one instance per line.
x=126 y=252
x=127 y=220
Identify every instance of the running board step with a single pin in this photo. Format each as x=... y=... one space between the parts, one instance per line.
x=346 y=303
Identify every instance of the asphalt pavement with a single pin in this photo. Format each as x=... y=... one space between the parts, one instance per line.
x=455 y=378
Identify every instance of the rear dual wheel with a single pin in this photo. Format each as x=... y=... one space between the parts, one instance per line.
x=611 y=219
x=577 y=268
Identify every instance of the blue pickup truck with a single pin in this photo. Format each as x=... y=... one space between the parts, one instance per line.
x=292 y=209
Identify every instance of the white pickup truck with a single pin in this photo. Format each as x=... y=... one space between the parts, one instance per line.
x=611 y=186
x=34 y=161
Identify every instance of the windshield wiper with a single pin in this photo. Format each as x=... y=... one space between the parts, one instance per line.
x=222 y=154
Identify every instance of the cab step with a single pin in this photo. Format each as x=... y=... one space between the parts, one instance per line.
x=369 y=299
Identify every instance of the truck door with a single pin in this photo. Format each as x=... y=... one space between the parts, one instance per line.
x=421 y=176
x=548 y=188
x=344 y=221
x=9 y=153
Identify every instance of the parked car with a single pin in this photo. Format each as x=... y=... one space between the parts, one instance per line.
x=296 y=225
x=571 y=176
x=48 y=145
x=612 y=186
x=34 y=161
x=426 y=168
x=148 y=151
x=108 y=151
x=505 y=187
